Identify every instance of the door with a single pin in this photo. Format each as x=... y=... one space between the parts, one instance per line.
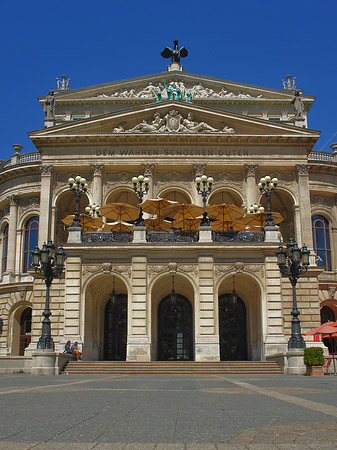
x=175 y=329
x=25 y=330
x=232 y=329
x=115 y=325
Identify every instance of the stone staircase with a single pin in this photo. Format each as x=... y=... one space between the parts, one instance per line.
x=172 y=368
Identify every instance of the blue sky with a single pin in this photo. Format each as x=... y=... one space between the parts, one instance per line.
x=256 y=42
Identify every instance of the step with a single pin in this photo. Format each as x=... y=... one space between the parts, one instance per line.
x=174 y=367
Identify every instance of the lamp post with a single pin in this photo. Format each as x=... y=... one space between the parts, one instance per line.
x=204 y=187
x=141 y=187
x=254 y=209
x=293 y=262
x=267 y=187
x=48 y=262
x=78 y=186
x=92 y=210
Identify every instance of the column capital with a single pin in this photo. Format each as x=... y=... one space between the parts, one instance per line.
x=97 y=169
x=251 y=169
x=13 y=200
x=46 y=170
x=302 y=169
x=199 y=169
x=148 y=169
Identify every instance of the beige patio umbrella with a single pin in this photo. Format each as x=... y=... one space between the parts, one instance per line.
x=187 y=224
x=182 y=211
x=227 y=225
x=88 y=223
x=154 y=206
x=155 y=224
x=224 y=212
x=119 y=225
x=259 y=219
x=119 y=211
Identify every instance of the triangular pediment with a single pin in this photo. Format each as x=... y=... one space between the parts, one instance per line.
x=172 y=118
x=201 y=89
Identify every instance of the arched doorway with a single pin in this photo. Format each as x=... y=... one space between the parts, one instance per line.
x=25 y=330
x=175 y=329
x=232 y=329
x=115 y=329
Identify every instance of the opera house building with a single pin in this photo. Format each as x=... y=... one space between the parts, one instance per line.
x=167 y=209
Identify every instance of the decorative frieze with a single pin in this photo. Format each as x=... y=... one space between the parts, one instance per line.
x=28 y=203
x=318 y=201
x=172 y=267
x=106 y=268
x=239 y=267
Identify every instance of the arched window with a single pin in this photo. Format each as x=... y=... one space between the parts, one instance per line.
x=321 y=238
x=31 y=232
x=4 y=249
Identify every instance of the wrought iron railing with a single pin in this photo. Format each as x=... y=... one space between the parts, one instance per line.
x=238 y=236
x=172 y=236
x=106 y=237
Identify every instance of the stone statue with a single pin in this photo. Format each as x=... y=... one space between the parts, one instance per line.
x=120 y=128
x=298 y=106
x=289 y=83
x=145 y=127
x=175 y=54
x=227 y=129
x=63 y=84
x=49 y=105
x=195 y=126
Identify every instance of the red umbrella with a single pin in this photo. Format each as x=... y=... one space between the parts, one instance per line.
x=328 y=329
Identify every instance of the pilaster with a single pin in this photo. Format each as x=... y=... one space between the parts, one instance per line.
x=304 y=204
x=45 y=204
x=139 y=339
x=72 y=313
x=272 y=318
x=148 y=172
x=12 y=227
x=206 y=337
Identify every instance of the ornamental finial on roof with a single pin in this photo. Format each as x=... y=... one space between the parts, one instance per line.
x=289 y=83
x=175 y=54
x=63 y=84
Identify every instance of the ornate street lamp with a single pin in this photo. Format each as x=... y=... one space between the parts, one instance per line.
x=48 y=262
x=173 y=296
x=92 y=210
x=141 y=187
x=78 y=186
x=113 y=295
x=204 y=187
x=254 y=209
x=267 y=187
x=293 y=262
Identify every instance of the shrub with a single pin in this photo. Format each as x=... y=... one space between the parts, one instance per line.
x=313 y=356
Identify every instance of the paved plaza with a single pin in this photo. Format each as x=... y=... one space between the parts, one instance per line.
x=165 y=412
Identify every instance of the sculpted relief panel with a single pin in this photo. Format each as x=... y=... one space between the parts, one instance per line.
x=173 y=122
x=185 y=91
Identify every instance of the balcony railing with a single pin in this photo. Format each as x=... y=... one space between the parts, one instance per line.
x=238 y=236
x=106 y=237
x=322 y=156
x=173 y=236
x=21 y=159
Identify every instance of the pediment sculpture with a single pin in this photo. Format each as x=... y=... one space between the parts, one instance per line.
x=172 y=122
x=162 y=91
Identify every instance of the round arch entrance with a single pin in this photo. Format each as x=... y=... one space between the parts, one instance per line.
x=232 y=329
x=175 y=329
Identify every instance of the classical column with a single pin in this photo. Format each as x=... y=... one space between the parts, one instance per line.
x=251 y=193
x=45 y=204
x=304 y=204
x=138 y=340
x=97 y=186
x=12 y=227
x=148 y=172
x=207 y=346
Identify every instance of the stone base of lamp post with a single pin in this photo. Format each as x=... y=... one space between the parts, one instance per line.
x=139 y=234
x=205 y=233
x=75 y=235
x=271 y=234
x=296 y=364
x=46 y=362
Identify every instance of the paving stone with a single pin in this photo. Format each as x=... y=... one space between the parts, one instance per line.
x=118 y=446
x=170 y=447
